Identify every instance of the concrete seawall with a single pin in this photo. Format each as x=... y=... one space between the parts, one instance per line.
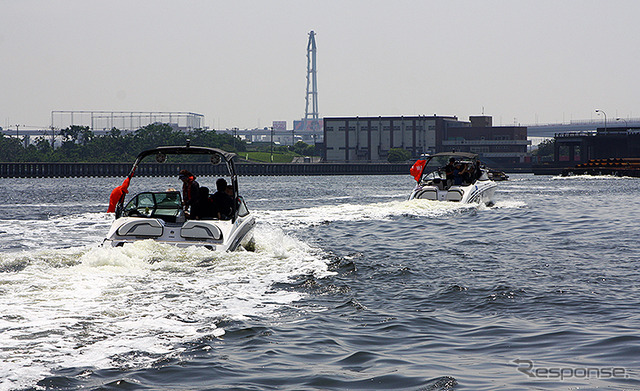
x=62 y=170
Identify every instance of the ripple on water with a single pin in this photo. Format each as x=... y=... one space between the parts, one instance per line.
x=351 y=287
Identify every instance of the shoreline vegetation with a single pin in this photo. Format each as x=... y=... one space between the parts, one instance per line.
x=80 y=145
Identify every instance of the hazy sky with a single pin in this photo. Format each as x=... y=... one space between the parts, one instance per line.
x=243 y=63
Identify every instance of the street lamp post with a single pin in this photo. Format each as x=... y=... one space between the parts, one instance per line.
x=626 y=124
x=235 y=135
x=605 y=118
x=272 y=144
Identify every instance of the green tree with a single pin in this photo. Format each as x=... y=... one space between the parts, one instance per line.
x=545 y=148
x=75 y=133
x=80 y=144
x=158 y=134
x=11 y=149
x=209 y=138
x=304 y=149
x=115 y=133
x=397 y=155
x=43 y=146
x=86 y=136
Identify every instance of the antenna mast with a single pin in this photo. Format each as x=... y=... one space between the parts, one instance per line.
x=311 y=117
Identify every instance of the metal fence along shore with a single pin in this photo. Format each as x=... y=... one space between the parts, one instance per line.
x=62 y=170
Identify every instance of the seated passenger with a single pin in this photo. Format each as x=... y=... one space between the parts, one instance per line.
x=465 y=173
x=439 y=183
x=458 y=171
x=203 y=208
x=470 y=174
x=448 y=170
x=222 y=202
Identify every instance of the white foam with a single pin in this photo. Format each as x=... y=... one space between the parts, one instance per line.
x=76 y=230
x=355 y=212
x=590 y=177
x=132 y=305
x=508 y=204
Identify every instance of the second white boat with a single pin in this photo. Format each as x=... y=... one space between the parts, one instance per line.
x=453 y=177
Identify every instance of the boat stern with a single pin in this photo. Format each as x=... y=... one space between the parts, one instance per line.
x=217 y=235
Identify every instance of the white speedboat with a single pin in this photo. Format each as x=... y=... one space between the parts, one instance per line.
x=452 y=176
x=160 y=216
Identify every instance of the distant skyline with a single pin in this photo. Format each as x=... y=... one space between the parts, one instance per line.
x=243 y=63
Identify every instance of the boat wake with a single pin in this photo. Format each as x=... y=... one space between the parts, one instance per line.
x=103 y=307
x=54 y=232
x=375 y=211
x=591 y=177
x=508 y=204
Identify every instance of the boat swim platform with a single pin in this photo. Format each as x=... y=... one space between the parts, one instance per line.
x=73 y=170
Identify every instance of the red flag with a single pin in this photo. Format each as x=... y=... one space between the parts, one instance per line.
x=416 y=169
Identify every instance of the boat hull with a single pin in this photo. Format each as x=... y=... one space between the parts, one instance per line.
x=216 y=235
x=481 y=192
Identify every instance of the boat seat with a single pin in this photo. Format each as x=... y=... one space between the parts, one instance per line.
x=438 y=182
x=200 y=230
x=427 y=194
x=454 y=195
x=148 y=228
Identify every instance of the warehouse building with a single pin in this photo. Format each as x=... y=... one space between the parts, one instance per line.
x=502 y=146
x=580 y=147
x=369 y=139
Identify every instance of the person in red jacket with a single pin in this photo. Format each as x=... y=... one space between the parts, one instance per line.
x=190 y=188
x=117 y=194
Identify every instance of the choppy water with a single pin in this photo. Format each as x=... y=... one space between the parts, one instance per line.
x=351 y=287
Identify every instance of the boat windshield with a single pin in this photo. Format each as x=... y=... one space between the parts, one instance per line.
x=165 y=205
x=435 y=166
x=436 y=169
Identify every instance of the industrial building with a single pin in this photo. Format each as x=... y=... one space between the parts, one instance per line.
x=349 y=139
x=580 y=147
x=504 y=146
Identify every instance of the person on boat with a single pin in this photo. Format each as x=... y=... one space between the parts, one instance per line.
x=459 y=173
x=222 y=201
x=117 y=194
x=204 y=208
x=470 y=174
x=478 y=171
x=190 y=189
x=448 y=171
